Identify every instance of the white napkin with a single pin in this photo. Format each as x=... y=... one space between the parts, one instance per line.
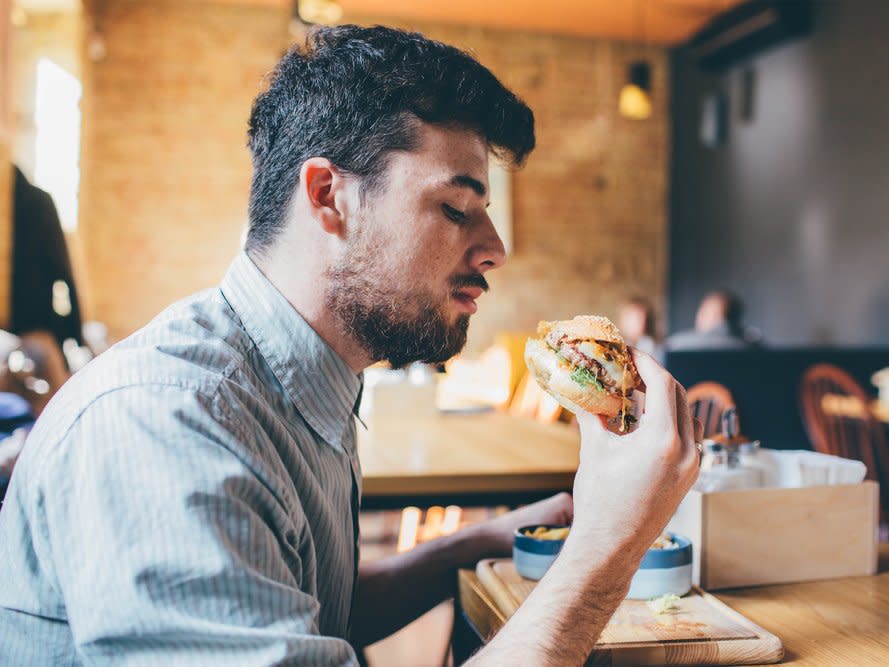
x=800 y=467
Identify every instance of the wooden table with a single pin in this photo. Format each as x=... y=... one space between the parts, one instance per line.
x=467 y=459
x=835 y=622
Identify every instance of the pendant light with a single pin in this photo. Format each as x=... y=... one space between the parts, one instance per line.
x=324 y=12
x=635 y=96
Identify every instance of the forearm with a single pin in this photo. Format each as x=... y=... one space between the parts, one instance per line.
x=394 y=591
x=563 y=617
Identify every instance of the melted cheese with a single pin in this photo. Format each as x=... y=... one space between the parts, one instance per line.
x=595 y=351
x=591 y=349
x=624 y=402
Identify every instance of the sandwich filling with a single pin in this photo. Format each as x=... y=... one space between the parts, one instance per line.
x=585 y=361
x=602 y=364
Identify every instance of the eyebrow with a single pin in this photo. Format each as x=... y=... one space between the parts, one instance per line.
x=466 y=181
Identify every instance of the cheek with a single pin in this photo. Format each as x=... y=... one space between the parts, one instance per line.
x=430 y=255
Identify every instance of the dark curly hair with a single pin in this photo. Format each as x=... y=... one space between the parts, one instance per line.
x=353 y=95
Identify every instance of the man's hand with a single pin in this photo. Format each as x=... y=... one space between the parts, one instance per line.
x=628 y=486
x=394 y=591
x=498 y=533
x=625 y=490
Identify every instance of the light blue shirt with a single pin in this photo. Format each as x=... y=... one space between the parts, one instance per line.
x=190 y=497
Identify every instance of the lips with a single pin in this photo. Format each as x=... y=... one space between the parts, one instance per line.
x=466 y=296
x=471 y=292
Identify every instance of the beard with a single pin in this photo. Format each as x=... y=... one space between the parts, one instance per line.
x=398 y=326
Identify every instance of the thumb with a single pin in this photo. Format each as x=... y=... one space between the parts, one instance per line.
x=699 y=429
x=593 y=430
x=594 y=424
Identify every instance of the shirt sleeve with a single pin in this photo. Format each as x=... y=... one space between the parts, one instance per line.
x=170 y=544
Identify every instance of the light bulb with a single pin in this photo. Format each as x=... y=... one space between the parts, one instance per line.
x=326 y=12
x=634 y=102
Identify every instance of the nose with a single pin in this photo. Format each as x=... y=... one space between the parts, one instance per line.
x=488 y=251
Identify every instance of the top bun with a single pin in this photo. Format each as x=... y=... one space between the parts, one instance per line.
x=583 y=327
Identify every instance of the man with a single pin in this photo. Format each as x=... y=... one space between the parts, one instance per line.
x=718 y=325
x=191 y=497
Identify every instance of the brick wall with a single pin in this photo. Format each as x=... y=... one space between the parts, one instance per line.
x=165 y=171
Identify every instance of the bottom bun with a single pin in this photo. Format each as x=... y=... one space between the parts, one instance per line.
x=556 y=381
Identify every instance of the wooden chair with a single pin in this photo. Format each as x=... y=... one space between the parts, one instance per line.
x=707 y=401
x=858 y=436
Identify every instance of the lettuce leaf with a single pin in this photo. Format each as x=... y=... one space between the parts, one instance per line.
x=585 y=378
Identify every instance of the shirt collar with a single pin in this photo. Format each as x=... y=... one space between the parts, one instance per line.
x=320 y=384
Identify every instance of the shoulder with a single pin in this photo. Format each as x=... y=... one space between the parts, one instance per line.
x=693 y=340
x=183 y=362
x=683 y=340
x=194 y=344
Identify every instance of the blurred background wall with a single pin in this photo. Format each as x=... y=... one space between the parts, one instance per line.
x=164 y=171
x=791 y=210
x=165 y=168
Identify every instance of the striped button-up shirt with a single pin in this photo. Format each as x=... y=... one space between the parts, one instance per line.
x=190 y=497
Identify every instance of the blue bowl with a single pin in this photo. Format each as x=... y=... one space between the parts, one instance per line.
x=663 y=571
x=531 y=556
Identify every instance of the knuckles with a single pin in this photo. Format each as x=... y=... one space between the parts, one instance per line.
x=563 y=498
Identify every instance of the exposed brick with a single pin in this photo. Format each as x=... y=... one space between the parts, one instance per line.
x=165 y=167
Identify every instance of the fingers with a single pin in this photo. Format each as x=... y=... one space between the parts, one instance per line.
x=666 y=406
x=684 y=425
x=691 y=432
x=699 y=429
x=594 y=436
x=564 y=504
x=660 y=394
x=683 y=414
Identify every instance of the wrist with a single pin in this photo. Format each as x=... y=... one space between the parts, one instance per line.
x=567 y=610
x=478 y=541
x=602 y=569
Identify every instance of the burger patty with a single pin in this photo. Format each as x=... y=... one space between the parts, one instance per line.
x=574 y=356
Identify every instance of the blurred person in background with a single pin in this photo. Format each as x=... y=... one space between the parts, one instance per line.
x=637 y=323
x=718 y=325
x=44 y=312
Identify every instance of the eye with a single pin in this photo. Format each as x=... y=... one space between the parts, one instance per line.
x=453 y=214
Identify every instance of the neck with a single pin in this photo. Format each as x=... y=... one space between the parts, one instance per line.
x=305 y=289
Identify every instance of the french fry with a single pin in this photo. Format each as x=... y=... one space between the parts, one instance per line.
x=544 y=533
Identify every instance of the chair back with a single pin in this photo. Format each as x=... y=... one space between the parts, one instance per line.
x=707 y=401
x=837 y=418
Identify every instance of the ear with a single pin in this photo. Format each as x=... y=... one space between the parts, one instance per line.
x=321 y=184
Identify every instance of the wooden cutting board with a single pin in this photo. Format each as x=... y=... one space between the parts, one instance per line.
x=702 y=631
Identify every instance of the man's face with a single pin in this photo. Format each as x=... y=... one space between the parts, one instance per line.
x=406 y=284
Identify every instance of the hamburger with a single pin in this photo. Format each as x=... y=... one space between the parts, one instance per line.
x=585 y=364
